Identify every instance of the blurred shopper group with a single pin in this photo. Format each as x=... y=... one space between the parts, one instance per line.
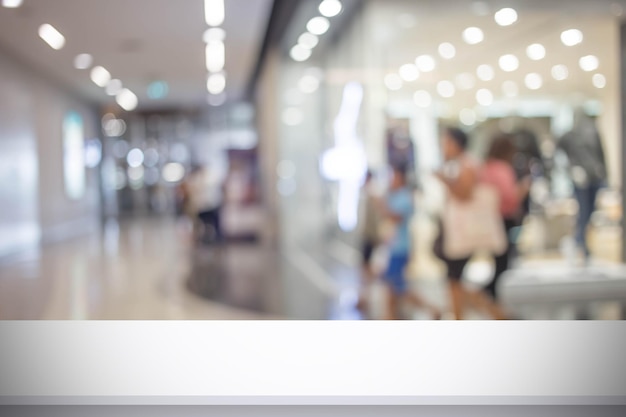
x=485 y=202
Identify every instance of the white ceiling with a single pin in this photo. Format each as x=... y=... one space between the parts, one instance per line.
x=404 y=29
x=138 y=41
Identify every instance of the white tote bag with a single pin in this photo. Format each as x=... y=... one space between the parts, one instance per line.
x=473 y=225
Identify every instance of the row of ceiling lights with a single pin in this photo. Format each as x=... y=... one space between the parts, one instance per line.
x=316 y=27
x=508 y=63
x=99 y=75
x=215 y=51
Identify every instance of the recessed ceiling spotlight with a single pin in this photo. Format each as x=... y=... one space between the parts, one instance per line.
x=506 y=16
x=571 y=37
x=473 y=35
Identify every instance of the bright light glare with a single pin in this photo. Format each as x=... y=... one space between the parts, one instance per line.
x=560 y=72
x=445 y=89
x=214 y=12
x=308 y=40
x=299 y=53
x=217 y=100
x=292 y=116
x=485 y=72
x=215 y=56
x=51 y=36
x=589 y=63
x=473 y=35
x=330 y=8
x=393 y=82
x=135 y=157
x=533 y=81
x=425 y=63
x=422 y=98
x=12 y=4
x=409 y=72
x=571 y=37
x=465 y=81
x=599 y=81
x=173 y=172
x=467 y=117
x=100 y=76
x=447 y=50
x=113 y=87
x=484 y=97
x=83 y=61
x=536 y=51
x=308 y=84
x=318 y=25
x=508 y=63
x=216 y=83
x=214 y=34
x=127 y=99
x=506 y=16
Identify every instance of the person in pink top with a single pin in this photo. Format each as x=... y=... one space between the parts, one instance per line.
x=498 y=172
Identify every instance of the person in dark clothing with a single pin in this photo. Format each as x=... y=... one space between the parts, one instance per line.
x=583 y=147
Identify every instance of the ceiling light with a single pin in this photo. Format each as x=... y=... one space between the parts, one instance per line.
x=100 y=76
x=300 y=54
x=506 y=16
x=510 y=89
x=536 y=51
x=467 y=117
x=533 y=81
x=447 y=50
x=214 y=12
x=135 y=158
x=560 y=72
x=113 y=87
x=422 y=98
x=318 y=25
x=308 y=84
x=292 y=116
x=599 y=81
x=571 y=37
x=393 y=82
x=485 y=72
x=216 y=83
x=473 y=35
x=589 y=63
x=214 y=34
x=83 y=61
x=330 y=8
x=409 y=72
x=425 y=63
x=484 y=97
x=465 y=81
x=445 y=89
x=127 y=99
x=51 y=36
x=308 y=40
x=12 y=4
x=508 y=63
x=215 y=56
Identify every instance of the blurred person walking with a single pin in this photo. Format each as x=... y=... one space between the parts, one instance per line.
x=370 y=238
x=398 y=211
x=206 y=195
x=583 y=147
x=460 y=175
x=498 y=172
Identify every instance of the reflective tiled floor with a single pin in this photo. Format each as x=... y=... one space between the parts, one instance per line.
x=149 y=269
